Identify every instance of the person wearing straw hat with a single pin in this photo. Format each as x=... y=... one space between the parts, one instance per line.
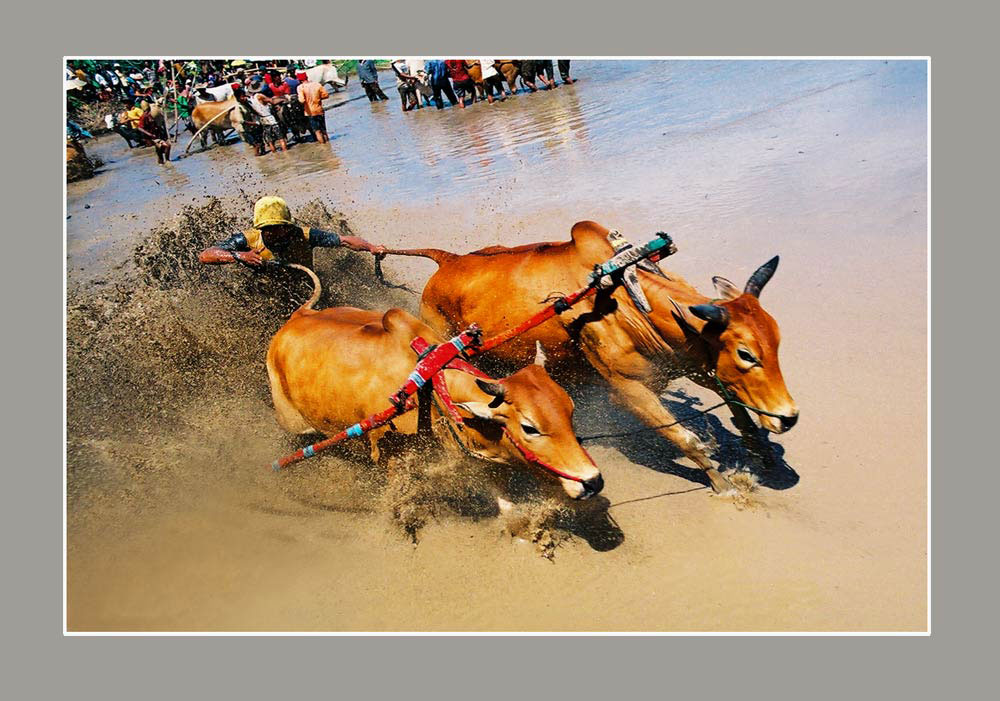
x=275 y=237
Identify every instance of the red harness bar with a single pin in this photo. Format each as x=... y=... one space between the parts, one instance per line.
x=559 y=306
x=401 y=401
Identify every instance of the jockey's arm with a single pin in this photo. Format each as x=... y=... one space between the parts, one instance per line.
x=327 y=239
x=233 y=250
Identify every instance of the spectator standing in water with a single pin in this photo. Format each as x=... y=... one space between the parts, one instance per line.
x=437 y=73
x=311 y=94
x=564 y=71
x=418 y=70
x=154 y=125
x=461 y=79
x=405 y=85
x=271 y=133
x=253 y=131
x=491 y=79
x=368 y=75
x=543 y=69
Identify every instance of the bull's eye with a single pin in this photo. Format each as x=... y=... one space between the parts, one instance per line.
x=530 y=430
x=746 y=356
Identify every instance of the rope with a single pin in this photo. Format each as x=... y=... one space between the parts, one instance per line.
x=386 y=283
x=730 y=399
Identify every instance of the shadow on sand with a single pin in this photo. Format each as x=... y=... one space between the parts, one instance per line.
x=647 y=448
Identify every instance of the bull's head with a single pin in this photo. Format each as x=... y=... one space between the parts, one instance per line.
x=742 y=341
x=526 y=418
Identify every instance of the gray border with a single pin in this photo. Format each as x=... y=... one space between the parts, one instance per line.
x=48 y=664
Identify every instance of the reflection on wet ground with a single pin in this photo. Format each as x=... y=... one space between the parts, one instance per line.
x=693 y=147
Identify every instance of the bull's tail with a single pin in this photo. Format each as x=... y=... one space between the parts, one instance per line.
x=435 y=254
x=317 y=288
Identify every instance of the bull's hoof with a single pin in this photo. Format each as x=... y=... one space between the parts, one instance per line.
x=720 y=485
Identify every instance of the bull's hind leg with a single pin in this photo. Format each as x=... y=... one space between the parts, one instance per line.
x=288 y=416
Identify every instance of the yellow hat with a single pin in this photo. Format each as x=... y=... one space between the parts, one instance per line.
x=270 y=210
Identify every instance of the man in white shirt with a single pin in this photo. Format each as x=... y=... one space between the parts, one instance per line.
x=491 y=79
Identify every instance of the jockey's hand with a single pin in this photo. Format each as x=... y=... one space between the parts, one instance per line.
x=376 y=249
x=250 y=258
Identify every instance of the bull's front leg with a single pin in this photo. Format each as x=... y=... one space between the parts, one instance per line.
x=617 y=360
x=646 y=405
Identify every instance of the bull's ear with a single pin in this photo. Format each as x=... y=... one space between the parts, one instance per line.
x=540 y=357
x=724 y=288
x=479 y=410
x=712 y=313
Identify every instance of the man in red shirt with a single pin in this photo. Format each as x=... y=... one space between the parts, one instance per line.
x=153 y=125
x=461 y=79
x=311 y=94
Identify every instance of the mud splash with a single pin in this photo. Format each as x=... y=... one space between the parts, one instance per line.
x=167 y=393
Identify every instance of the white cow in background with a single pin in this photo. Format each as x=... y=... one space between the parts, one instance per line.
x=324 y=74
x=219 y=93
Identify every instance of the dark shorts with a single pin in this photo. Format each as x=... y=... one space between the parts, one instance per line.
x=252 y=133
x=317 y=123
x=464 y=86
x=544 y=67
x=272 y=133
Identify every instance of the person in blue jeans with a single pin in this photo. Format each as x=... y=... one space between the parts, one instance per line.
x=368 y=75
x=437 y=72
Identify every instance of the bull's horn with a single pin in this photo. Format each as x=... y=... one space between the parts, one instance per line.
x=757 y=281
x=494 y=389
x=540 y=357
x=711 y=313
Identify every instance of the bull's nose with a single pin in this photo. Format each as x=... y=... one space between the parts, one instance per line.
x=788 y=421
x=594 y=485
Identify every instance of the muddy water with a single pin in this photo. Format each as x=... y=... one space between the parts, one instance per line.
x=174 y=523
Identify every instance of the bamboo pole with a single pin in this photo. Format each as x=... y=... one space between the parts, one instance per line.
x=177 y=119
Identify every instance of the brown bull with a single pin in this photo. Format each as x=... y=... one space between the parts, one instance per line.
x=686 y=333
x=219 y=116
x=329 y=369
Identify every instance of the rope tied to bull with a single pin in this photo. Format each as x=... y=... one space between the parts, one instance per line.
x=381 y=277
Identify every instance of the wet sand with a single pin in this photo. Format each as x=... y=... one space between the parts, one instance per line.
x=828 y=171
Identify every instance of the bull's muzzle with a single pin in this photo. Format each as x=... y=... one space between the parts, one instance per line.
x=780 y=423
x=788 y=421
x=583 y=489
